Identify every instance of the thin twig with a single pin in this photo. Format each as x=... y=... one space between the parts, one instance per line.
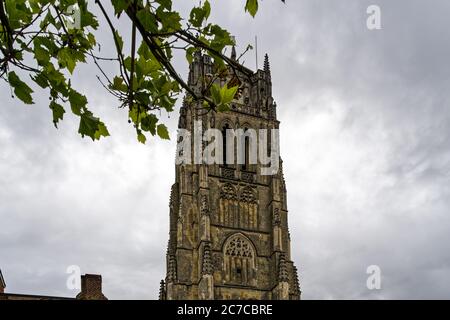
x=116 y=41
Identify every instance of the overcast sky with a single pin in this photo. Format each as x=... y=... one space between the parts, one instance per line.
x=365 y=127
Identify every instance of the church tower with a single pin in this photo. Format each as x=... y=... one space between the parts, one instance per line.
x=229 y=236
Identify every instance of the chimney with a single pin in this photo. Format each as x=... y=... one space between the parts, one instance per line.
x=2 y=283
x=91 y=288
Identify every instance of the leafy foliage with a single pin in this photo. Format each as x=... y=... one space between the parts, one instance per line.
x=21 y=89
x=47 y=39
x=252 y=7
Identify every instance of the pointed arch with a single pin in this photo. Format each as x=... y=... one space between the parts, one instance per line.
x=246 y=147
x=243 y=238
x=239 y=260
x=228 y=205
x=228 y=191
x=247 y=194
x=248 y=208
x=225 y=124
x=226 y=121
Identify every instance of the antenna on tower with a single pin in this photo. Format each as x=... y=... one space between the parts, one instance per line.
x=256 y=51
x=233 y=48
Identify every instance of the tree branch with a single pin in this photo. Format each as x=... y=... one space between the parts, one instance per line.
x=5 y=22
x=116 y=41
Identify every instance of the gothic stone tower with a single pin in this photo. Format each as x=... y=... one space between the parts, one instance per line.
x=229 y=235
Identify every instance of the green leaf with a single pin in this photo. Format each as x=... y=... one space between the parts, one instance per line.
x=165 y=4
x=92 y=127
x=148 y=123
x=21 y=89
x=141 y=137
x=88 y=19
x=48 y=20
x=252 y=7
x=221 y=97
x=118 y=85
x=77 y=101
x=102 y=131
x=91 y=39
x=146 y=67
x=41 y=55
x=200 y=14
x=167 y=103
x=227 y=94
x=66 y=59
x=147 y=19
x=58 y=112
x=207 y=9
x=162 y=131
x=119 y=6
x=215 y=94
x=190 y=54
x=221 y=39
x=170 y=20
x=144 y=51
x=119 y=40
x=53 y=75
x=41 y=80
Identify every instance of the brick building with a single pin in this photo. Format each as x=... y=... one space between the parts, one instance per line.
x=91 y=289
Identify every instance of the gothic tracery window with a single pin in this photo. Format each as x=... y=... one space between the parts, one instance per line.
x=239 y=260
x=239 y=247
x=228 y=204
x=248 y=208
x=247 y=195
x=238 y=211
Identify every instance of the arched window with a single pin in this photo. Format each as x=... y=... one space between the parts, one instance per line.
x=248 y=148
x=246 y=165
x=239 y=260
x=238 y=209
x=224 y=143
x=248 y=208
x=228 y=205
